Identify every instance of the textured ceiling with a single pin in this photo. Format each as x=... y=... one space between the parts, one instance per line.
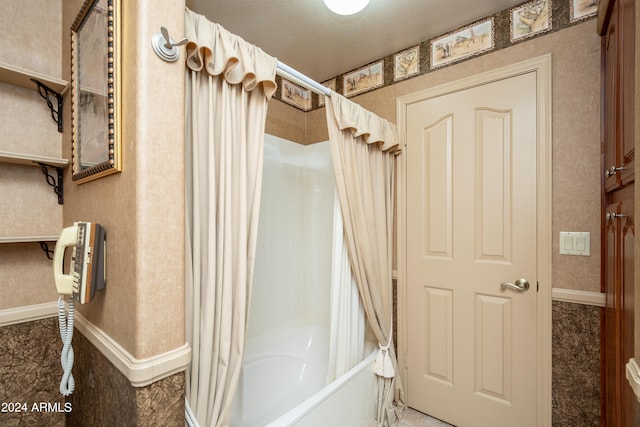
x=305 y=35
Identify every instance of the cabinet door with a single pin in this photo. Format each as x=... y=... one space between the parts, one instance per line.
x=627 y=233
x=626 y=47
x=619 y=250
x=618 y=53
x=610 y=130
x=612 y=322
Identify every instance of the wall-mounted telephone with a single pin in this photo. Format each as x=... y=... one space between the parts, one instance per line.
x=87 y=274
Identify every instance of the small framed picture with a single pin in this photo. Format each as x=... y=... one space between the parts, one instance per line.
x=582 y=9
x=296 y=95
x=530 y=19
x=406 y=63
x=364 y=79
x=463 y=43
x=331 y=84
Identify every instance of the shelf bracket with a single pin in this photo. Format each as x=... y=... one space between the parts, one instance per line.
x=56 y=112
x=46 y=250
x=57 y=185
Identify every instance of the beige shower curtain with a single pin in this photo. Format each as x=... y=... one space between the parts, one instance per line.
x=228 y=85
x=364 y=148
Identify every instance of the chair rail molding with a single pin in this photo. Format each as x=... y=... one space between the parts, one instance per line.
x=578 y=297
x=140 y=372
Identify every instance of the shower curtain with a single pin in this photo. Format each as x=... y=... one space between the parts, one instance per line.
x=228 y=85
x=347 y=322
x=364 y=148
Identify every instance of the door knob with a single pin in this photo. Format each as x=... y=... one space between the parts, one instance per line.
x=613 y=170
x=521 y=285
x=613 y=215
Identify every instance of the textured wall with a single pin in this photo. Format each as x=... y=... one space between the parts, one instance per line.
x=106 y=398
x=141 y=208
x=142 y=211
x=31 y=35
x=286 y=122
x=576 y=365
x=30 y=373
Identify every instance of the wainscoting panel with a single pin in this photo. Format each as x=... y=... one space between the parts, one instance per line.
x=30 y=374
x=105 y=397
x=576 y=364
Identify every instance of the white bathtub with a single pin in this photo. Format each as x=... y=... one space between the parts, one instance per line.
x=282 y=384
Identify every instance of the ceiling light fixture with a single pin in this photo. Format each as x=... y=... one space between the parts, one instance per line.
x=346 y=7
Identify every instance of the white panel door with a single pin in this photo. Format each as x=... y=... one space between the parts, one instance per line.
x=471 y=226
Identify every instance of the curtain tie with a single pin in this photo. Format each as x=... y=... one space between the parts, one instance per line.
x=383 y=366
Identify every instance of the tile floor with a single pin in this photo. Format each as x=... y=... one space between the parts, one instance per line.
x=413 y=418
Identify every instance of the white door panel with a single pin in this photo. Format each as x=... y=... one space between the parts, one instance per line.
x=471 y=225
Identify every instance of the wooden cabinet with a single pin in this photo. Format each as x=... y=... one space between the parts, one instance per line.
x=618 y=34
x=618 y=278
x=616 y=24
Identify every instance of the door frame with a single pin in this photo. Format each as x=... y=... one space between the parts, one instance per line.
x=542 y=67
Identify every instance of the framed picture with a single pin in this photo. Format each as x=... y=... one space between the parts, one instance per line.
x=582 y=9
x=331 y=84
x=463 y=43
x=95 y=90
x=530 y=19
x=364 y=79
x=406 y=63
x=296 y=95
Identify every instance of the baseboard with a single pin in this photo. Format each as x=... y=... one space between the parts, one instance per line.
x=578 y=297
x=29 y=313
x=140 y=372
x=633 y=377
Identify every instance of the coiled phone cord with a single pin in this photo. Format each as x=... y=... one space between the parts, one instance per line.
x=65 y=318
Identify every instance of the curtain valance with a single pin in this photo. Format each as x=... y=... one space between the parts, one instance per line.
x=374 y=129
x=219 y=52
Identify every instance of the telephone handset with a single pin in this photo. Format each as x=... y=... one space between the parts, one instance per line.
x=87 y=274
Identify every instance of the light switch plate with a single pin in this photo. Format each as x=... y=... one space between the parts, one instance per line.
x=575 y=243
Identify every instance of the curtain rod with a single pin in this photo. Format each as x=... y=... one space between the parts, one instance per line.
x=283 y=70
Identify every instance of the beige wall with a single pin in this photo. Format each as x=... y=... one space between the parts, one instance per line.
x=141 y=208
x=31 y=39
x=31 y=35
x=286 y=122
x=575 y=55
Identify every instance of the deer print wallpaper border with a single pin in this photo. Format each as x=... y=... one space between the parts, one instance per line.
x=530 y=19
x=562 y=14
x=466 y=42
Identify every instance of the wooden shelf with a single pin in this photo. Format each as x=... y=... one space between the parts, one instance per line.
x=22 y=77
x=31 y=160
x=28 y=239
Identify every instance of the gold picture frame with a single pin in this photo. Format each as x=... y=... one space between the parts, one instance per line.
x=95 y=91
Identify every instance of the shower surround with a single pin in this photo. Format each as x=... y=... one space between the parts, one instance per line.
x=288 y=331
